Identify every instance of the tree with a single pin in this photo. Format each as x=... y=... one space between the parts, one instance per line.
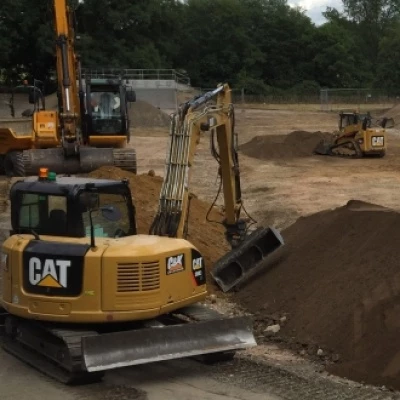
x=388 y=70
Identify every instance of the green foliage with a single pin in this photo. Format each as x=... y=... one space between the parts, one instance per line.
x=258 y=45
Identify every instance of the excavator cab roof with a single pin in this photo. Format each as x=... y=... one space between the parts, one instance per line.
x=63 y=206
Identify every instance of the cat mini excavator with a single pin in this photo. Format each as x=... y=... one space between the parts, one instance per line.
x=356 y=138
x=90 y=128
x=84 y=293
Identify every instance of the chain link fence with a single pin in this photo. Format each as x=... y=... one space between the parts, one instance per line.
x=334 y=100
x=356 y=99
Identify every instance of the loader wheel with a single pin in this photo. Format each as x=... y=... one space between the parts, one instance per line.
x=14 y=164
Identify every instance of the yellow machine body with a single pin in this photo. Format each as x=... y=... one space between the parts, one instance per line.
x=124 y=279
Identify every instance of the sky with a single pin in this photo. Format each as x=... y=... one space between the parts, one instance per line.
x=314 y=8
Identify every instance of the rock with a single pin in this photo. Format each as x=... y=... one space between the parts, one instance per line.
x=335 y=357
x=320 y=352
x=213 y=298
x=273 y=328
x=303 y=352
x=151 y=173
x=283 y=319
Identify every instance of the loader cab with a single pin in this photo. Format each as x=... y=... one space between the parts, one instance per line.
x=106 y=108
x=348 y=119
x=59 y=206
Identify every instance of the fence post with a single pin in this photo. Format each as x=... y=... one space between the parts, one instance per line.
x=242 y=95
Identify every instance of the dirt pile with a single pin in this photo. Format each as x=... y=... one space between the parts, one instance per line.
x=336 y=286
x=207 y=237
x=144 y=115
x=273 y=147
x=393 y=112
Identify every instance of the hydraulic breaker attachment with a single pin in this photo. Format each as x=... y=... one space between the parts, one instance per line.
x=134 y=347
x=237 y=266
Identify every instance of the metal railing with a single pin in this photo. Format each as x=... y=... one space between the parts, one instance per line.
x=138 y=74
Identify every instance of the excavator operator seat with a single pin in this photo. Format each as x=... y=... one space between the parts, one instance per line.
x=106 y=105
x=57 y=222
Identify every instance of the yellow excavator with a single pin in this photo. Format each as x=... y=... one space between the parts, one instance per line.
x=356 y=137
x=84 y=293
x=90 y=128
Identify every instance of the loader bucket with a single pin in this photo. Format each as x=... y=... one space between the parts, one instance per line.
x=240 y=264
x=389 y=123
x=142 y=346
x=323 y=148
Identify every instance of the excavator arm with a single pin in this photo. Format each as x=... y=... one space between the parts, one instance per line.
x=69 y=110
x=193 y=118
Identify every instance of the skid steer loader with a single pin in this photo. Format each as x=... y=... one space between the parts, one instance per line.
x=356 y=138
x=84 y=293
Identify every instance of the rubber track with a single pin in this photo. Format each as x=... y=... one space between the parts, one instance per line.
x=264 y=378
x=72 y=340
x=356 y=149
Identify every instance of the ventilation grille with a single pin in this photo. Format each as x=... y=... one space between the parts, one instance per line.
x=138 y=277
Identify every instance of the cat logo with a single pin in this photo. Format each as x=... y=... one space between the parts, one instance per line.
x=197 y=263
x=50 y=273
x=175 y=264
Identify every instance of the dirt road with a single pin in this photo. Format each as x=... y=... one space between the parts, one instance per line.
x=279 y=191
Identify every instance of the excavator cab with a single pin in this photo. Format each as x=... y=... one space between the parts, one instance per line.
x=106 y=114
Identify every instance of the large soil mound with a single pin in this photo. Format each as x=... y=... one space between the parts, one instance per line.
x=207 y=237
x=274 y=147
x=144 y=115
x=337 y=282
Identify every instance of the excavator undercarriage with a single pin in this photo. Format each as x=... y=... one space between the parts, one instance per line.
x=28 y=162
x=81 y=354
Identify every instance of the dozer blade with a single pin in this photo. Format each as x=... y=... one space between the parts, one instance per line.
x=243 y=262
x=134 y=347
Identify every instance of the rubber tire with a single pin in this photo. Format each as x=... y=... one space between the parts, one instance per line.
x=14 y=164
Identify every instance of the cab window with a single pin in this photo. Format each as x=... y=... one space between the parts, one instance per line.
x=45 y=214
x=104 y=227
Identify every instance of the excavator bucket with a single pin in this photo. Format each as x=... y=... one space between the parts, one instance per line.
x=237 y=266
x=134 y=347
